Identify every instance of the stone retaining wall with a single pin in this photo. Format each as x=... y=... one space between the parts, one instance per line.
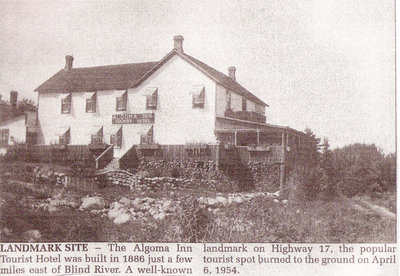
x=162 y=175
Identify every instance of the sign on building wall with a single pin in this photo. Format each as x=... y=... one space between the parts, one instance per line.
x=141 y=118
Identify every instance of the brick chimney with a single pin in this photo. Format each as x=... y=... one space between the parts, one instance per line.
x=68 y=62
x=13 y=99
x=232 y=71
x=178 y=43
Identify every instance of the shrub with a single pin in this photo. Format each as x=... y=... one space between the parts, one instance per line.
x=83 y=168
x=194 y=220
x=156 y=172
x=364 y=169
x=19 y=152
x=304 y=183
x=175 y=172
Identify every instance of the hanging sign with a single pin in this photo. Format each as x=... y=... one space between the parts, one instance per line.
x=140 y=118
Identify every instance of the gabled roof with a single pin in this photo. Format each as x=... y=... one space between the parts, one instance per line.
x=130 y=75
x=12 y=120
x=226 y=81
x=96 y=78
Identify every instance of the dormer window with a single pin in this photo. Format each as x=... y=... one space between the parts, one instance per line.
x=91 y=102
x=122 y=99
x=244 y=105
x=65 y=136
x=65 y=103
x=96 y=135
x=151 y=98
x=147 y=139
x=116 y=137
x=198 y=96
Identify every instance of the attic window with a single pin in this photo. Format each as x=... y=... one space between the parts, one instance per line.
x=122 y=98
x=151 y=98
x=65 y=103
x=4 y=133
x=96 y=135
x=116 y=138
x=90 y=102
x=64 y=137
x=198 y=96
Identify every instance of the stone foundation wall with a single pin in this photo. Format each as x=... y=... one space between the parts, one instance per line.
x=172 y=175
x=162 y=175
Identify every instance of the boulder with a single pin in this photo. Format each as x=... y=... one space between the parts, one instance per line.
x=32 y=235
x=91 y=203
x=153 y=210
x=125 y=201
x=212 y=202
x=50 y=208
x=166 y=204
x=136 y=203
x=160 y=216
x=237 y=200
x=116 y=205
x=132 y=212
x=114 y=213
x=140 y=214
x=171 y=209
x=145 y=207
x=221 y=200
x=122 y=218
x=151 y=200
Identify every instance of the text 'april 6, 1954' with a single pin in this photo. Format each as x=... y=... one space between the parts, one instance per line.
x=187 y=259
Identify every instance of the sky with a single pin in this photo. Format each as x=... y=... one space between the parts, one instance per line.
x=328 y=65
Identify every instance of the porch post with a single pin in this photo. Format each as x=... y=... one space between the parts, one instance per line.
x=282 y=166
x=235 y=138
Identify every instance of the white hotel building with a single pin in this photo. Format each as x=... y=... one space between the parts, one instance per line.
x=177 y=100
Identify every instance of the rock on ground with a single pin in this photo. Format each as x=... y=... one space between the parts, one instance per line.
x=122 y=218
x=92 y=203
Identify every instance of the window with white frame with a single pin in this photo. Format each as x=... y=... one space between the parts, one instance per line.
x=151 y=98
x=116 y=138
x=91 y=102
x=97 y=137
x=122 y=100
x=66 y=103
x=65 y=137
x=4 y=134
x=147 y=139
x=198 y=96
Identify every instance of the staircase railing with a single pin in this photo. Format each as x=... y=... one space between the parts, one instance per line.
x=105 y=156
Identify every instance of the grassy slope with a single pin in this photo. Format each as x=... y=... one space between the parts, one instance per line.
x=258 y=220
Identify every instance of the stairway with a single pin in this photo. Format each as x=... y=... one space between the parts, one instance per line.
x=113 y=165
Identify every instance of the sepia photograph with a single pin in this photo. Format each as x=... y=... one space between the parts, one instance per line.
x=174 y=121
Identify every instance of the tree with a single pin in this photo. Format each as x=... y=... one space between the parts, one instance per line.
x=315 y=147
x=326 y=160
x=7 y=112
x=364 y=169
x=328 y=183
